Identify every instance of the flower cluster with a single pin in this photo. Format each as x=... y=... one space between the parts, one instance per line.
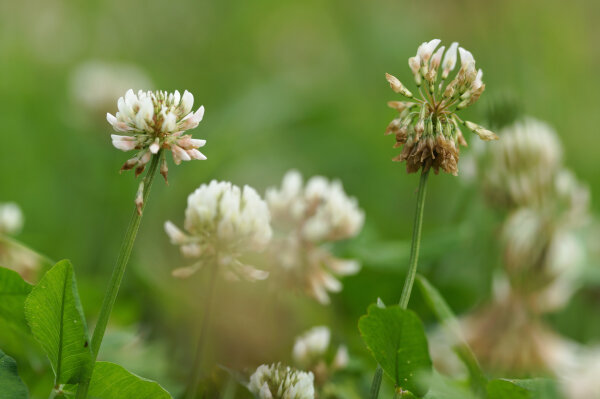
x=223 y=222
x=276 y=381
x=306 y=217
x=429 y=127
x=310 y=353
x=546 y=206
x=155 y=121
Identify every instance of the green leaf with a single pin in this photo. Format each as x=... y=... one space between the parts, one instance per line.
x=111 y=381
x=536 y=388
x=13 y=291
x=397 y=340
x=442 y=387
x=444 y=314
x=54 y=313
x=505 y=389
x=11 y=385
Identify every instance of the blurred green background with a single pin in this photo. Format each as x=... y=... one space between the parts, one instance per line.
x=286 y=84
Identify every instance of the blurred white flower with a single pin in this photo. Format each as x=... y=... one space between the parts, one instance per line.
x=308 y=216
x=546 y=205
x=523 y=165
x=311 y=345
x=95 y=84
x=225 y=221
x=276 y=381
x=323 y=208
x=154 y=121
x=11 y=218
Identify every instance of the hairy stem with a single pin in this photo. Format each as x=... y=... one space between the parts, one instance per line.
x=196 y=373
x=118 y=272
x=412 y=268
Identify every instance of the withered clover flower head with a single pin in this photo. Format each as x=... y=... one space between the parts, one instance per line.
x=276 y=381
x=428 y=126
x=223 y=222
x=154 y=121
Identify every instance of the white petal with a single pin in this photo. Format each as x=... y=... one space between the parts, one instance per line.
x=195 y=154
x=111 y=119
x=175 y=234
x=199 y=114
x=197 y=142
x=450 y=58
x=123 y=143
x=437 y=57
x=187 y=102
x=179 y=154
x=466 y=58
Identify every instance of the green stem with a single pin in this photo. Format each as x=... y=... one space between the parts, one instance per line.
x=416 y=242
x=412 y=268
x=118 y=272
x=374 y=393
x=195 y=375
x=230 y=388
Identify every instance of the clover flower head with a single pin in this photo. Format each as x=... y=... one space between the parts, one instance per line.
x=322 y=206
x=11 y=218
x=276 y=381
x=428 y=126
x=223 y=221
x=155 y=121
x=524 y=165
x=308 y=216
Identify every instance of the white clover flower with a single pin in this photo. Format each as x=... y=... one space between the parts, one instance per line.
x=225 y=221
x=428 y=127
x=327 y=213
x=95 y=84
x=524 y=175
x=308 y=216
x=310 y=345
x=11 y=218
x=276 y=381
x=155 y=121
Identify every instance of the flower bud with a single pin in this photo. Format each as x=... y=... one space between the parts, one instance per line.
x=483 y=133
x=397 y=86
